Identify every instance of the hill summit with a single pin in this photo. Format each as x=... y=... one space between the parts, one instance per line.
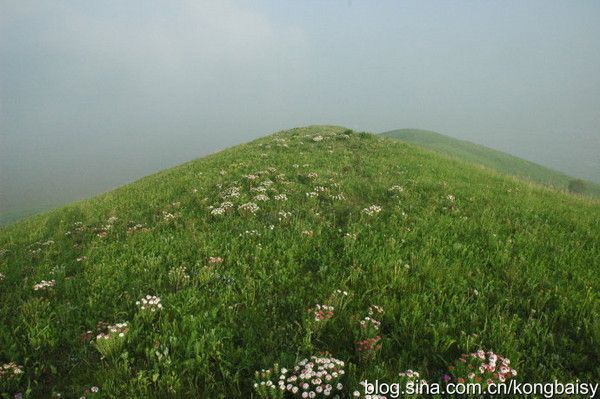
x=362 y=254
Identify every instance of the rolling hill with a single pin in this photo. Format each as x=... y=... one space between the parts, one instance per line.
x=493 y=159
x=368 y=253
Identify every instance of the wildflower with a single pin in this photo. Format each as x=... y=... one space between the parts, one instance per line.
x=43 y=285
x=284 y=215
x=226 y=205
x=81 y=258
x=10 y=369
x=486 y=363
x=2 y=276
x=451 y=197
x=398 y=189
x=249 y=207
x=168 y=216
x=338 y=197
x=114 y=329
x=136 y=228
x=372 y=210
x=351 y=236
x=217 y=211
x=317 y=138
x=309 y=378
x=215 y=259
x=312 y=175
x=369 y=344
x=409 y=374
x=280 y=197
x=111 y=339
x=231 y=192
x=312 y=194
x=94 y=389
x=261 y=197
x=323 y=312
x=251 y=177
x=308 y=233
x=149 y=303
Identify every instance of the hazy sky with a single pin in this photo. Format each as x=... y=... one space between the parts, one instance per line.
x=94 y=94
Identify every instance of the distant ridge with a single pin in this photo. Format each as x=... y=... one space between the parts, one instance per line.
x=488 y=157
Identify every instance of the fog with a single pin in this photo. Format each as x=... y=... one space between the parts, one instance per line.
x=97 y=94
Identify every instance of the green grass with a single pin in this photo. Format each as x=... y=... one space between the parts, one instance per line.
x=493 y=159
x=460 y=258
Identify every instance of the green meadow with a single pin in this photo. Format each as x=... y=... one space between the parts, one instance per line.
x=369 y=253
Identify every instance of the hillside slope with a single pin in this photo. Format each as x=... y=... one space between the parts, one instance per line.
x=497 y=160
x=241 y=246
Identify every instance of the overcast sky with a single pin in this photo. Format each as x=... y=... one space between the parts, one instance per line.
x=94 y=94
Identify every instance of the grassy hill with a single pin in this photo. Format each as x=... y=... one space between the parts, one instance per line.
x=313 y=241
x=493 y=159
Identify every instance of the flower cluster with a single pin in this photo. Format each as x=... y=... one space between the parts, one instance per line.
x=137 y=227
x=398 y=189
x=116 y=330
x=2 y=276
x=265 y=382
x=167 y=216
x=215 y=259
x=480 y=367
x=149 y=303
x=90 y=391
x=370 y=322
x=338 y=197
x=43 y=285
x=280 y=197
x=369 y=344
x=231 y=192
x=9 y=370
x=110 y=341
x=261 y=197
x=410 y=376
x=323 y=312
x=283 y=215
x=372 y=210
x=249 y=207
x=319 y=377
